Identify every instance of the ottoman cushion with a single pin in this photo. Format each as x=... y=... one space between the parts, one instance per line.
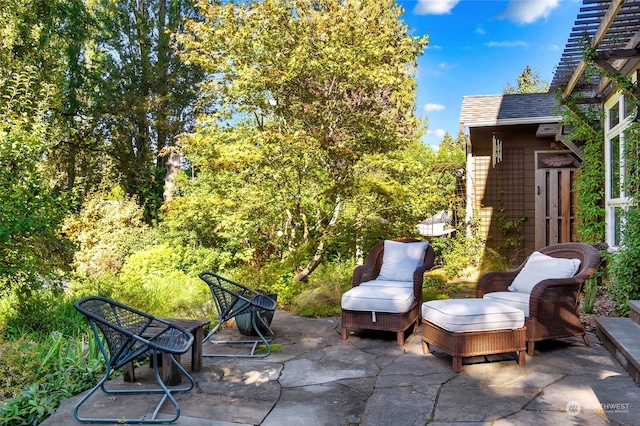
x=511 y=298
x=465 y=315
x=394 y=299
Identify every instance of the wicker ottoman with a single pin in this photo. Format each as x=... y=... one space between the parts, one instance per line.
x=473 y=327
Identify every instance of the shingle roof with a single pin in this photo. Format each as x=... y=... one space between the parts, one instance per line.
x=487 y=110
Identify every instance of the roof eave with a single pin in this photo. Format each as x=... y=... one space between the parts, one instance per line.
x=512 y=121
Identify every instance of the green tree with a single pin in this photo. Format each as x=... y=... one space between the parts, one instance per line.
x=452 y=151
x=138 y=96
x=31 y=210
x=529 y=81
x=31 y=204
x=302 y=96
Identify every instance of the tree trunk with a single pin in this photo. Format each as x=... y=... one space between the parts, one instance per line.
x=303 y=274
x=173 y=166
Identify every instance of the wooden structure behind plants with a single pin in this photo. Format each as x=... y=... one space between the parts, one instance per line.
x=520 y=178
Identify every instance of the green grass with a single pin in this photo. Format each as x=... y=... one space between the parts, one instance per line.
x=263 y=348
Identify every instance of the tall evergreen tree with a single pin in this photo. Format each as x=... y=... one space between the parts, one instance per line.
x=529 y=81
x=146 y=93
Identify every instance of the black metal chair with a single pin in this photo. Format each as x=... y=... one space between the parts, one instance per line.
x=122 y=329
x=233 y=299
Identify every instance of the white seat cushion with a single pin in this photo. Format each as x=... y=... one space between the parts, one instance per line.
x=540 y=267
x=391 y=299
x=511 y=298
x=385 y=283
x=465 y=315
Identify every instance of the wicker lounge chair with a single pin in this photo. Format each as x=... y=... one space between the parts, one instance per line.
x=122 y=328
x=366 y=276
x=233 y=299
x=552 y=306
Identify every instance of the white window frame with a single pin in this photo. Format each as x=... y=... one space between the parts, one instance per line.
x=611 y=132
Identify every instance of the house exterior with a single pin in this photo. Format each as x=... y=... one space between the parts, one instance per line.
x=521 y=169
x=518 y=174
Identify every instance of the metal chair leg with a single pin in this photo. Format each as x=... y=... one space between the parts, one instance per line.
x=167 y=394
x=255 y=342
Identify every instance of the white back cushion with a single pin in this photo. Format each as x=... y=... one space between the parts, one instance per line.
x=400 y=260
x=541 y=267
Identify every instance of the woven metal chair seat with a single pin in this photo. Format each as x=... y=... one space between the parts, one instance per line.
x=122 y=328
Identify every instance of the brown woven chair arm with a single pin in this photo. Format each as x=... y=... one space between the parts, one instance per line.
x=494 y=281
x=553 y=291
x=429 y=260
x=418 y=274
x=361 y=274
x=418 y=279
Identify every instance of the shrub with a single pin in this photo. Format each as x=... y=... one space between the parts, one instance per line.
x=327 y=284
x=494 y=261
x=590 y=293
x=460 y=252
x=65 y=367
x=274 y=277
x=625 y=264
x=19 y=365
x=436 y=285
x=161 y=280
x=39 y=312
x=106 y=230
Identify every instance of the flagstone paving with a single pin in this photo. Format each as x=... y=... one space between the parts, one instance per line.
x=315 y=378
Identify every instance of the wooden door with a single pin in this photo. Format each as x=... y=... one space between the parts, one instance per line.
x=555 y=202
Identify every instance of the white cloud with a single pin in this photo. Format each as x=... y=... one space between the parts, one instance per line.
x=434 y=7
x=528 y=11
x=480 y=30
x=447 y=65
x=517 y=43
x=433 y=107
x=437 y=133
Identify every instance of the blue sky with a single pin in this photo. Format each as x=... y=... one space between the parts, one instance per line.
x=476 y=47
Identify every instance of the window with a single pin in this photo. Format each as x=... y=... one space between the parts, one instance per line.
x=619 y=112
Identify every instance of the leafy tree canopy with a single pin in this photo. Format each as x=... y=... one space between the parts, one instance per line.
x=303 y=99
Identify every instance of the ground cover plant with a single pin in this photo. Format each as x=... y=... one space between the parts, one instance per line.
x=46 y=354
